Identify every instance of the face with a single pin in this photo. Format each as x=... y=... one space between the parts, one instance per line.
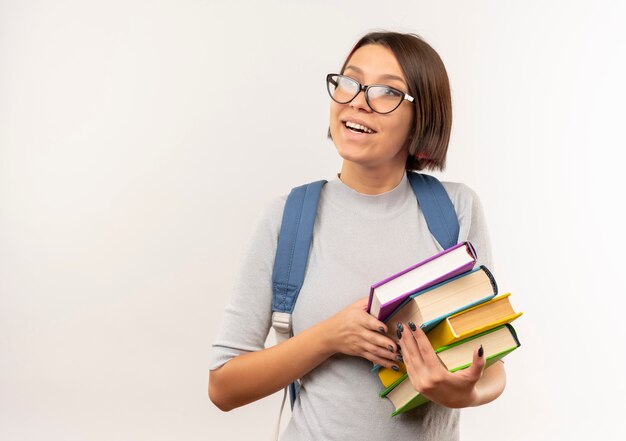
x=387 y=145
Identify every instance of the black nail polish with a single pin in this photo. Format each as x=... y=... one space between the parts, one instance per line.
x=412 y=326
x=399 y=358
x=400 y=327
x=395 y=368
x=390 y=348
x=381 y=330
x=481 y=351
x=399 y=333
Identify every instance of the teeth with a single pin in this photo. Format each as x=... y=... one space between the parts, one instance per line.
x=356 y=126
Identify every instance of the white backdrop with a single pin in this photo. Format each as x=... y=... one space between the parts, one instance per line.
x=139 y=140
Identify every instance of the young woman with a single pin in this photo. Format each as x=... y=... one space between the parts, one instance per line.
x=390 y=112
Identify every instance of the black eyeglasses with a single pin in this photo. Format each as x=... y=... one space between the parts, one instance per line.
x=380 y=98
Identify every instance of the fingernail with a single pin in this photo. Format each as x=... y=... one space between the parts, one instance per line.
x=399 y=333
x=399 y=327
x=399 y=358
x=481 y=351
x=381 y=330
x=390 y=348
x=412 y=326
x=395 y=368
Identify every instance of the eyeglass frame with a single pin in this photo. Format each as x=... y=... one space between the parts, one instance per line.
x=364 y=89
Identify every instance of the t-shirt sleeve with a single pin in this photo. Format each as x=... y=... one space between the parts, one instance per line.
x=248 y=315
x=472 y=222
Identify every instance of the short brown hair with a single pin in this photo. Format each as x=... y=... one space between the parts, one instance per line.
x=428 y=83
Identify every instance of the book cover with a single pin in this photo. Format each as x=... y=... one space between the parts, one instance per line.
x=389 y=376
x=386 y=295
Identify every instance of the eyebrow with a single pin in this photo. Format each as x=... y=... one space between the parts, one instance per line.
x=386 y=76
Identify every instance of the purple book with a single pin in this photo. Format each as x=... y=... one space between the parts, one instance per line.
x=386 y=295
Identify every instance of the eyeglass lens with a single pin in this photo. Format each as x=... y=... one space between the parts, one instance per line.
x=381 y=99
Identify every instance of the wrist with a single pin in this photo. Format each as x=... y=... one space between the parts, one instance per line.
x=471 y=399
x=326 y=337
x=475 y=398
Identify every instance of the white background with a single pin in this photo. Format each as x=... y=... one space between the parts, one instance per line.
x=139 y=140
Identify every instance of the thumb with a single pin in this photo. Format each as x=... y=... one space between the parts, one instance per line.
x=478 y=364
x=362 y=303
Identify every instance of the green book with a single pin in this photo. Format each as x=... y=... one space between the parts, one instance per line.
x=497 y=343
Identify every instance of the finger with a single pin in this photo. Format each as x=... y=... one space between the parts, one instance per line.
x=476 y=369
x=362 y=303
x=426 y=349
x=381 y=329
x=371 y=322
x=410 y=349
x=386 y=359
x=377 y=332
x=382 y=362
x=382 y=352
x=387 y=343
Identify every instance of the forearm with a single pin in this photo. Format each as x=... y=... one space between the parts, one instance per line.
x=252 y=376
x=491 y=384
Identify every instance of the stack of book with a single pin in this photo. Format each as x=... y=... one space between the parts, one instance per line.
x=458 y=307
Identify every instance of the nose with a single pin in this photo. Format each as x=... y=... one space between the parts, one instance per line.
x=360 y=103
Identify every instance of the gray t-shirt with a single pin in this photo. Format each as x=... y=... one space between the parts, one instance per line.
x=357 y=240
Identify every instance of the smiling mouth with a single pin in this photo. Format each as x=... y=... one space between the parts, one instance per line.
x=358 y=128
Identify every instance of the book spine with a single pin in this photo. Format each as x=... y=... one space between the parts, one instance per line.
x=442 y=335
x=513 y=333
x=369 y=301
x=492 y=279
x=488 y=326
x=471 y=250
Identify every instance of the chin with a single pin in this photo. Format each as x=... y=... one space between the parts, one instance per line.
x=353 y=153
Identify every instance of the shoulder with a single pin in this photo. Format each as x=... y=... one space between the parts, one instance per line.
x=272 y=214
x=467 y=205
x=462 y=196
x=472 y=222
x=270 y=217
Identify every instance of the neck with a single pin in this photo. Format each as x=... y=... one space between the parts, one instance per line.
x=370 y=181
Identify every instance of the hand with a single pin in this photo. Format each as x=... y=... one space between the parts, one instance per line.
x=431 y=378
x=353 y=331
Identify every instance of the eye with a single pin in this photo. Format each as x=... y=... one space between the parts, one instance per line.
x=392 y=92
x=346 y=84
x=385 y=92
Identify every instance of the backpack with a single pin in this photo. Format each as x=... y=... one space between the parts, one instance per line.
x=295 y=236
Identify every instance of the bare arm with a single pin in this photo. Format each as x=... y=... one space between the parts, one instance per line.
x=491 y=384
x=249 y=377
